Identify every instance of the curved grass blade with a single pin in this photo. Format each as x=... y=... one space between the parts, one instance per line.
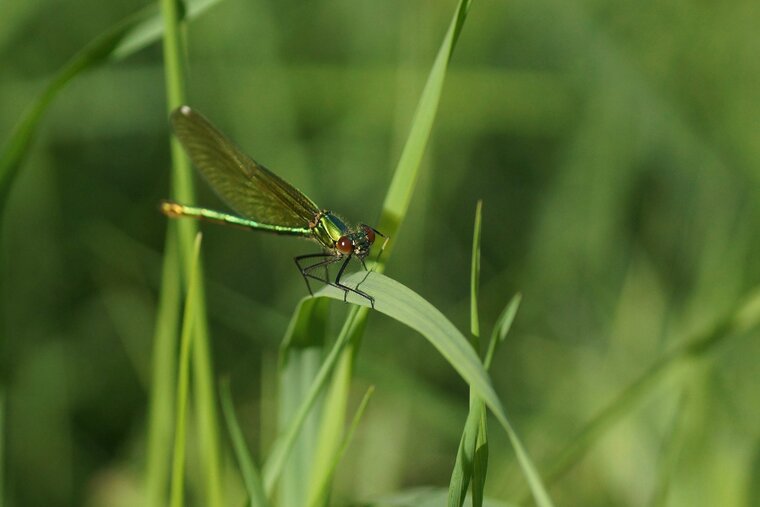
x=248 y=470
x=408 y=307
x=123 y=39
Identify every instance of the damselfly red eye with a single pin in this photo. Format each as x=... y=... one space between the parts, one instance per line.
x=344 y=245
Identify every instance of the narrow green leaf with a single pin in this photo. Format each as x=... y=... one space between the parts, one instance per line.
x=323 y=490
x=408 y=307
x=248 y=470
x=183 y=382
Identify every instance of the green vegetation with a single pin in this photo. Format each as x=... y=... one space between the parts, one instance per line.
x=607 y=152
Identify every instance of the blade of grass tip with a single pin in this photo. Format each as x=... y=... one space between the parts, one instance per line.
x=408 y=307
x=123 y=39
x=323 y=490
x=745 y=317
x=248 y=470
x=463 y=469
x=395 y=207
x=182 y=191
x=183 y=382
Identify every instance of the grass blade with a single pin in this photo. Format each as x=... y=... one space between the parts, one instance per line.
x=408 y=307
x=248 y=470
x=183 y=383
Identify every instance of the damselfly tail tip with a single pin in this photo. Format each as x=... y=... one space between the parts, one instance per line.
x=171 y=209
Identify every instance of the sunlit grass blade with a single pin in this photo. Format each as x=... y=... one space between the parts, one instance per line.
x=123 y=39
x=322 y=490
x=745 y=317
x=408 y=307
x=183 y=383
x=248 y=469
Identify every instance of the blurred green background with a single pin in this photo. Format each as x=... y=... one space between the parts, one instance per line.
x=616 y=147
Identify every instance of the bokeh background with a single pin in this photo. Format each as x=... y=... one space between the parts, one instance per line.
x=615 y=145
